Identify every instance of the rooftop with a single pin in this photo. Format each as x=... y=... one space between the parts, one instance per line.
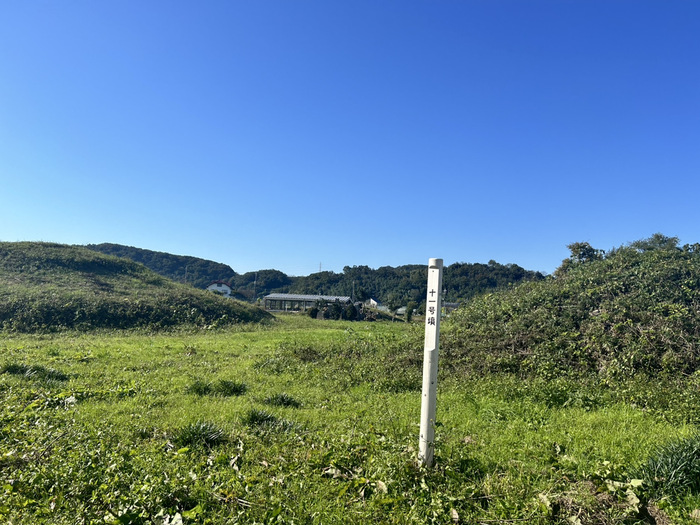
x=301 y=297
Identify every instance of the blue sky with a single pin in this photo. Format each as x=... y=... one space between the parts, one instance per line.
x=300 y=135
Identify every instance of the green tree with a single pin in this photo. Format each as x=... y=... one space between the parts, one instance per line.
x=334 y=311
x=350 y=312
x=658 y=241
x=410 y=308
x=393 y=302
x=581 y=252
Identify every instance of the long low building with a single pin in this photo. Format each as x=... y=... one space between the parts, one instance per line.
x=289 y=302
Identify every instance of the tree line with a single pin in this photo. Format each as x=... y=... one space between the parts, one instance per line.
x=392 y=286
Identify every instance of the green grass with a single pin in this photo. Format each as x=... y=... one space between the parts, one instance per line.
x=199 y=433
x=325 y=430
x=674 y=468
x=283 y=400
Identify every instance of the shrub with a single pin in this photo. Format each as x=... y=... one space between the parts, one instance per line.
x=350 y=313
x=629 y=313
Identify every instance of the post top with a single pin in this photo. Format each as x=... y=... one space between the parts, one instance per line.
x=435 y=263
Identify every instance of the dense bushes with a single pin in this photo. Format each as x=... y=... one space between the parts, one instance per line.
x=630 y=312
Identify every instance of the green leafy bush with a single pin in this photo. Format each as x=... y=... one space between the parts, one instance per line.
x=312 y=312
x=630 y=312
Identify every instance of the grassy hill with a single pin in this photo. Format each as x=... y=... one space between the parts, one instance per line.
x=633 y=310
x=51 y=286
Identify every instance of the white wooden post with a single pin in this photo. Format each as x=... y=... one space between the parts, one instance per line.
x=430 y=362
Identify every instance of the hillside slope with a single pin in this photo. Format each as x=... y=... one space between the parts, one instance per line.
x=51 y=286
x=631 y=311
x=180 y=268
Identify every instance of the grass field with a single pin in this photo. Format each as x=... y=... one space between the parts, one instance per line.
x=308 y=421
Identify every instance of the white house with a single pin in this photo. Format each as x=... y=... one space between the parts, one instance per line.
x=221 y=288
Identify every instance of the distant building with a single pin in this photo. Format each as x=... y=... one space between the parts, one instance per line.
x=450 y=307
x=221 y=288
x=289 y=302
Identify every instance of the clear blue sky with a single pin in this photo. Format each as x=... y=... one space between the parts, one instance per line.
x=291 y=134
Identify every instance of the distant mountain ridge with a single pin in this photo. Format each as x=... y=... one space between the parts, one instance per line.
x=394 y=286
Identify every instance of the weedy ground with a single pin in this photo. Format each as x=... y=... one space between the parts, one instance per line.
x=317 y=422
